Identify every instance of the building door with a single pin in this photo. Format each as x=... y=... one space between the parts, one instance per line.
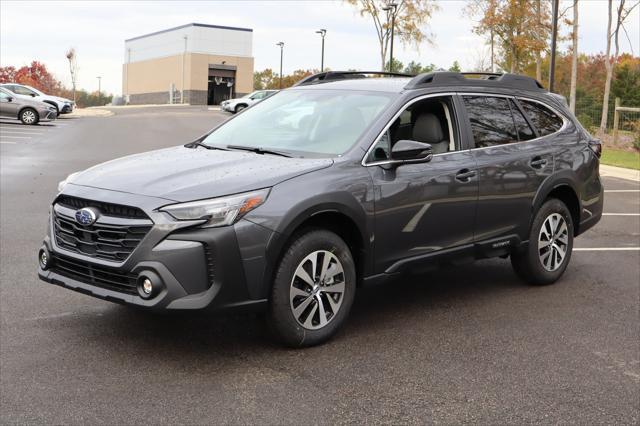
x=221 y=84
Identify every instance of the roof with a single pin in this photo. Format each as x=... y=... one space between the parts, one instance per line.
x=348 y=80
x=193 y=24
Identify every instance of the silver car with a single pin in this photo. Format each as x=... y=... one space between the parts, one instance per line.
x=29 y=111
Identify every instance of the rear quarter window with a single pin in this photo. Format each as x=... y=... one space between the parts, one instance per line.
x=545 y=120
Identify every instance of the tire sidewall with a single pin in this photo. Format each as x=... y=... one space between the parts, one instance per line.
x=282 y=320
x=548 y=208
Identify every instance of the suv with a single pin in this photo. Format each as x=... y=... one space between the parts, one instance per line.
x=238 y=104
x=335 y=183
x=61 y=105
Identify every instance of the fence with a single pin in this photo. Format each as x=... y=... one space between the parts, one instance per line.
x=589 y=113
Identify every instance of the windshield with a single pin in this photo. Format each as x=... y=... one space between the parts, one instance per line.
x=324 y=122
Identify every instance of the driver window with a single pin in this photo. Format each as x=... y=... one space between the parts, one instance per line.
x=23 y=91
x=430 y=121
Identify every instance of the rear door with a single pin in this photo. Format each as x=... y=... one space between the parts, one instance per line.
x=8 y=104
x=512 y=162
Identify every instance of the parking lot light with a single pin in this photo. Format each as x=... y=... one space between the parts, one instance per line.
x=281 y=44
x=322 y=33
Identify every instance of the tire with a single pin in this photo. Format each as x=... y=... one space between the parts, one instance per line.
x=296 y=304
x=239 y=108
x=29 y=116
x=542 y=262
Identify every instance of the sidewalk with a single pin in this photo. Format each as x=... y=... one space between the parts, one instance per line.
x=619 y=172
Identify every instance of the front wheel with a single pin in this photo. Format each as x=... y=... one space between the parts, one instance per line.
x=550 y=245
x=239 y=108
x=313 y=289
x=29 y=116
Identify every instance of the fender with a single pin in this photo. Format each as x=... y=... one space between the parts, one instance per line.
x=556 y=180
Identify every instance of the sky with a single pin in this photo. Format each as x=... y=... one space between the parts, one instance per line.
x=44 y=31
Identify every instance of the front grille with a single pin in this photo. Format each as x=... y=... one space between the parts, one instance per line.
x=99 y=276
x=110 y=241
x=109 y=209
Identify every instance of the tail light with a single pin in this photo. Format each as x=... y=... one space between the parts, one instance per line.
x=596 y=146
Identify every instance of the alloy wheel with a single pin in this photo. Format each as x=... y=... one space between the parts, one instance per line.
x=317 y=289
x=553 y=242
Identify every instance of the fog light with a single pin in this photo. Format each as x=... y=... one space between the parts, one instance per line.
x=147 y=286
x=43 y=258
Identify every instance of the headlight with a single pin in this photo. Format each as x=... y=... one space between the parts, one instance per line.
x=218 y=211
x=63 y=183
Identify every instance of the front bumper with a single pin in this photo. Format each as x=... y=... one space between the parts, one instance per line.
x=191 y=267
x=66 y=109
x=48 y=115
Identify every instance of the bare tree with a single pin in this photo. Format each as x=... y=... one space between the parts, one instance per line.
x=73 y=69
x=574 y=59
x=410 y=17
x=622 y=14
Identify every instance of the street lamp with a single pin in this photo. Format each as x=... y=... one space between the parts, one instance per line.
x=281 y=44
x=391 y=7
x=99 y=87
x=322 y=33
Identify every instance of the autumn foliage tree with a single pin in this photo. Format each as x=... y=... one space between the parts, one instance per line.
x=35 y=75
x=519 y=34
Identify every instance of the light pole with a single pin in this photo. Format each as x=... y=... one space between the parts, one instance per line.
x=554 y=35
x=99 y=88
x=281 y=44
x=391 y=7
x=322 y=33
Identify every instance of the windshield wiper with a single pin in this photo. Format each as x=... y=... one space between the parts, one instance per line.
x=259 y=150
x=196 y=144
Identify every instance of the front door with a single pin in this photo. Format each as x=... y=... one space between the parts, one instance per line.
x=512 y=163
x=8 y=105
x=422 y=209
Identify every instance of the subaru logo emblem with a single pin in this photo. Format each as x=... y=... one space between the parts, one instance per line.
x=86 y=216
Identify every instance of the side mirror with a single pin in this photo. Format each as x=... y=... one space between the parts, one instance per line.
x=33 y=95
x=9 y=99
x=407 y=151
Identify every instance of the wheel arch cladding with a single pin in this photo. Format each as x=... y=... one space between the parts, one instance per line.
x=332 y=219
x=567 y=195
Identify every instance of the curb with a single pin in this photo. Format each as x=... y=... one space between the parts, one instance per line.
x=620 y=172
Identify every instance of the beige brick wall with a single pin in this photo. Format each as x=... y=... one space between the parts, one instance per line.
x=156 y=75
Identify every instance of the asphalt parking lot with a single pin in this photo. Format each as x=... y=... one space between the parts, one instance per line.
x=470 y=344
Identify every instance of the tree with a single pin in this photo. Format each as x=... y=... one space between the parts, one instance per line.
x=621 y=15
x=397 y=65
x=7 y=74
x=73 y=69
x=410 y=17
x=416 y=68
x=455 y=67
x=520 y=35
x=38 y=76
x=574 y=59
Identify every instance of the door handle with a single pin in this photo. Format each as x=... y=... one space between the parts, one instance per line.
x=538 y=162
x=465 y=175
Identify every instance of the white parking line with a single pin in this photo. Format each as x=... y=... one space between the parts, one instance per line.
x=620 y=214
x=7 y=143
x=606 y=249
x=4 y=132
x=622 y=190
x=16 y=137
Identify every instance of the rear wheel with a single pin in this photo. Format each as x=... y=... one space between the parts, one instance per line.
x=550 y=245
x=313 y=290
x=239 y=108
x=29 y=116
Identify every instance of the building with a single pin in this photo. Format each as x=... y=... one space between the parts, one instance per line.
x=195 y=63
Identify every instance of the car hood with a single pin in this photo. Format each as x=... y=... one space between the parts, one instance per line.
x=187 y=174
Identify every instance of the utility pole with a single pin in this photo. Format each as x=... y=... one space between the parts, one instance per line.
x=554 y=36
x=391 y=7
x=322 y=33
x=99 y=88
x=281 y=44
x=128 y=64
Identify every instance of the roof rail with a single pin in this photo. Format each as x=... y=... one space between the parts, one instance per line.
x=446 y=78
x=345 y=75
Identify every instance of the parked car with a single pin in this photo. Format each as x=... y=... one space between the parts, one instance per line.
x=62 y=105
x=333 y=184
x=238 y=104
x=27 y=110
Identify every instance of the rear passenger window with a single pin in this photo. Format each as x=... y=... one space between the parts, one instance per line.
x=491 y=120
x=524 y=130
x=545 y=120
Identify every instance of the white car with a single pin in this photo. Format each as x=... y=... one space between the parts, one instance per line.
x=62 y=105
x=238 y=104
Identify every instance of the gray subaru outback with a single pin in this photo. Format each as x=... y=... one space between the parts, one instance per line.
x=340 y=181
